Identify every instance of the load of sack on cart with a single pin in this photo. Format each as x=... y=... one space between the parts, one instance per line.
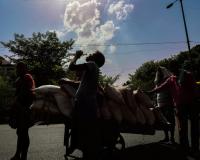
x=122 y=104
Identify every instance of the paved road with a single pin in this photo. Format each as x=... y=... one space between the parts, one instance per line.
x=47 y=142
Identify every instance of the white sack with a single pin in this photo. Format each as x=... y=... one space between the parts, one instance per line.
x=114 y=94
x=47 y=89
x=53 y=104
x=128 y=116
x=69 y=89
x=148 y=114
x=115 y=110
x=104 y=112
x=64 y=104
x=42 y=110
x=129 y=99
x=140 y=117
x=143 y=99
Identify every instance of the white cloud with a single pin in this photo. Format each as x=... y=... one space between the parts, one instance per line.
x=83 y=17
x=120 y=9
x=112 y=49
x=98 y=37
x=60 y=33
x=108 y=61
x=77 y=15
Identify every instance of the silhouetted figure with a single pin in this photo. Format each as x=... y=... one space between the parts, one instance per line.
x=24 y=97
x=85 y=113
x=167 y=99
x=188 y=109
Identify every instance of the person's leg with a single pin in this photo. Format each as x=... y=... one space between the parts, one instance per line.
x=19 y=146
x=165 y=130
x=172 y=120
x=66 y=139
x=91 y=141
x=183 y=131
x=194 y=128
x=172 y=130
x=25 y=144
x=166 y=138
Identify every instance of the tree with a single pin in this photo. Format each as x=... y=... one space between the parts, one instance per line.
x=6 y=92
x=143 y=77
x=145 y=74
x=44 y=54
x=107 y=80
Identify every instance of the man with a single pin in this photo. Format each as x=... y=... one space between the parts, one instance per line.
x=167 y=99
x=24 y=96
x=188 y=109
x=85 y=114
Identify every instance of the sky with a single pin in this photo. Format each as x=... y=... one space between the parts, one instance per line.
x=128 y=32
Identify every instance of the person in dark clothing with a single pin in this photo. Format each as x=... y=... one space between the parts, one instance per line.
x=24 y=97
x=188 y=109
x=167 y=99
x=85 y=112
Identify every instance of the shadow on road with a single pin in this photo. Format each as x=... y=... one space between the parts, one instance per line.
x=152 y=151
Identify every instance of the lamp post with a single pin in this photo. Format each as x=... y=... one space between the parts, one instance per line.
x=183 y=14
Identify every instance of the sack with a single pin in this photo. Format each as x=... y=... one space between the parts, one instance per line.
x=104 y=111
x=69 y=90
x=113 y=93
x=64 y=103
x=140 y=118
x=115 y=110
x=149 y=115
x=47 y=89
x=129 y=99
x=143 y=99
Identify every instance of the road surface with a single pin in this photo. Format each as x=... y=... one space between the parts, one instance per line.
x=46 y=142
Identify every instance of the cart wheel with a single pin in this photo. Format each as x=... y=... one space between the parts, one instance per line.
x=120 y=143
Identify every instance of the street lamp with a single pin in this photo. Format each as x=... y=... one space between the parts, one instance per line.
x=183 y=14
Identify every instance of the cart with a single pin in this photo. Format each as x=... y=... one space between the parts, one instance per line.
x=112 y=139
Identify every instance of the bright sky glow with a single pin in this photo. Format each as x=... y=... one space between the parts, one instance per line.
x=128 y=32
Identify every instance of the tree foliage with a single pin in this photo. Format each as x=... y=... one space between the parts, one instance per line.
x=44 y=54
x=145 y=74
x=6 y=91
x=107 y=80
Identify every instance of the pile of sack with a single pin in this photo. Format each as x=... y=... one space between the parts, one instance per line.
x=51 y=101
x=121 y=104
x=126 y=105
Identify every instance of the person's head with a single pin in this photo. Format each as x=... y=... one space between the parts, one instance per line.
x=161 y=74
x=21 y=68
x=96 y=57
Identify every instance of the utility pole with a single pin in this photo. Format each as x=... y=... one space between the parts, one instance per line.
x=184 y=21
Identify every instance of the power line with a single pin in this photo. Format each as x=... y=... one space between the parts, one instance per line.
x=130 y=44
x=133 y=44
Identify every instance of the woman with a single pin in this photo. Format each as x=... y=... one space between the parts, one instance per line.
x=24 y=97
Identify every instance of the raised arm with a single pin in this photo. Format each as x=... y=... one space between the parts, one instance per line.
x=77 y=67
x=161 y=87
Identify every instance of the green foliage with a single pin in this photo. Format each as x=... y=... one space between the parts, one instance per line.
x=6 y=92
x=145 y=73
x=44 y=54
x=107 y=80
x=144 y=76
x=3 y=83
